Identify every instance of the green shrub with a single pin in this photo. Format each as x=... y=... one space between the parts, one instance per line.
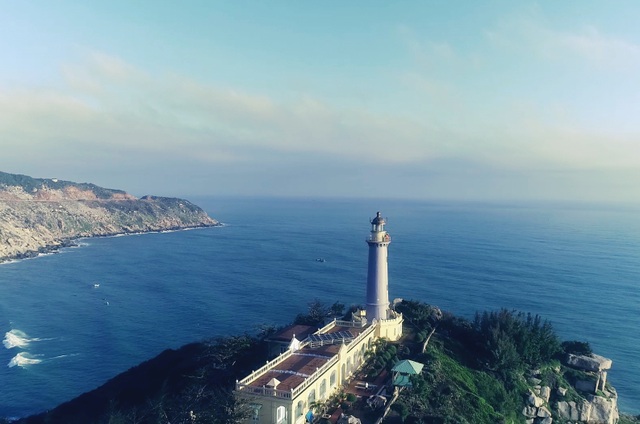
x=401 y=409
x=576 y=347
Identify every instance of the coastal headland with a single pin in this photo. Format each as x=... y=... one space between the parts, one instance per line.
x=42 y=215
x=468 y=377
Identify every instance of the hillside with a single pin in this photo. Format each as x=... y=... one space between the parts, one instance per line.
x=39 y=215
x=481 y=371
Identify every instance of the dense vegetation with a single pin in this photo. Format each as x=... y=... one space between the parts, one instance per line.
x=190 y=385
x=481 y=371
x=474 y=372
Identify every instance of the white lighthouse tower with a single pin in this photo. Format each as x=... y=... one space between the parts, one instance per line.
x=377 y=274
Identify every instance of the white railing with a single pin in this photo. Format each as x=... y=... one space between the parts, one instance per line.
x=362 y=335
x=327 y=327
x=270 y=364
x=342 y=323
x=245 y=386
x=262 y=391
x=398 y=317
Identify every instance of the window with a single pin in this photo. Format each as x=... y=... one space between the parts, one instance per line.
x=281 y=414
x=312 y=397
x=323 y=388
x=255 y=416
x=332 y=379
x=300 y=408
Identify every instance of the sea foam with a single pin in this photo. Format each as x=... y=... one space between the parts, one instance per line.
x=19 y=339
x=15 y=338
x=23 y=359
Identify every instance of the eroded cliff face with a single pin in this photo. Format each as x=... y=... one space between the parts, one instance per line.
x=38 y=215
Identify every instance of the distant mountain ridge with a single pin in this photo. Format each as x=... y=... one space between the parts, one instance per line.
x=38 y=215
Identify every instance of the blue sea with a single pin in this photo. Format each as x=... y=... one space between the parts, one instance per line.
x=72 y=320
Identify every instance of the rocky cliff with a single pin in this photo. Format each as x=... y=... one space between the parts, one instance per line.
x=584 y=397
x=39 y=215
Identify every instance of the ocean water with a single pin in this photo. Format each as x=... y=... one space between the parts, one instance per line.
x=70 y=321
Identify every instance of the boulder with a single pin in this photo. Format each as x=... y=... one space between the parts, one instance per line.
x=535 y=400
x=543 y=412
x=530 y=411
x=591 y=362
x=545 y=393
x=603 y=410
x=584 y=410
x=564 y=410
x=562 y=391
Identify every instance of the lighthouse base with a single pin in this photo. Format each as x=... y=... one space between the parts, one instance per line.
x=390 y=328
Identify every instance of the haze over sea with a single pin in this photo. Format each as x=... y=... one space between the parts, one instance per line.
x=73 y=320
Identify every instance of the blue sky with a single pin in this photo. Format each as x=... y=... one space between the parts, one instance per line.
x=493 y=100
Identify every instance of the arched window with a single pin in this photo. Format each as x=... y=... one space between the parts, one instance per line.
x=323 y=388
x=281 y=414
x=332 y=379
x=300 y=408
x=312 y=397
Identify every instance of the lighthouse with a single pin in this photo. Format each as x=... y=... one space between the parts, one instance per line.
x=377 y=272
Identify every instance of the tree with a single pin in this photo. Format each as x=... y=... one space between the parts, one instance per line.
x=509 y=341
x=316 y=314
x=337 y=309
x=576 y=347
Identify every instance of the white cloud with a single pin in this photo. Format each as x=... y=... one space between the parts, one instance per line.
x=110 y=115
x=600 y=49
x=107 y=103
x=587 y=44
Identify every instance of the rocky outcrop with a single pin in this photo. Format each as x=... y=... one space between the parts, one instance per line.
x=593 y=410
x=592 y=400
x=593 y=362
x=40 y=215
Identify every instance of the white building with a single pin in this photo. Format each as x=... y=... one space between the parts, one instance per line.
x=312 y=369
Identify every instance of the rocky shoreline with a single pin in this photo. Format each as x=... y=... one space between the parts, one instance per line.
x=66 y=243
x=41 y=216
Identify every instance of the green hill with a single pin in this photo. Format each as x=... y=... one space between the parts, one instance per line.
x=489 y=370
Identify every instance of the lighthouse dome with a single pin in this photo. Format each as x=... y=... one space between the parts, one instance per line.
x=378 y=220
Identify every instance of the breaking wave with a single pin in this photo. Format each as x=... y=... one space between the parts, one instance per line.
x=19 y=339
x=23 y=359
